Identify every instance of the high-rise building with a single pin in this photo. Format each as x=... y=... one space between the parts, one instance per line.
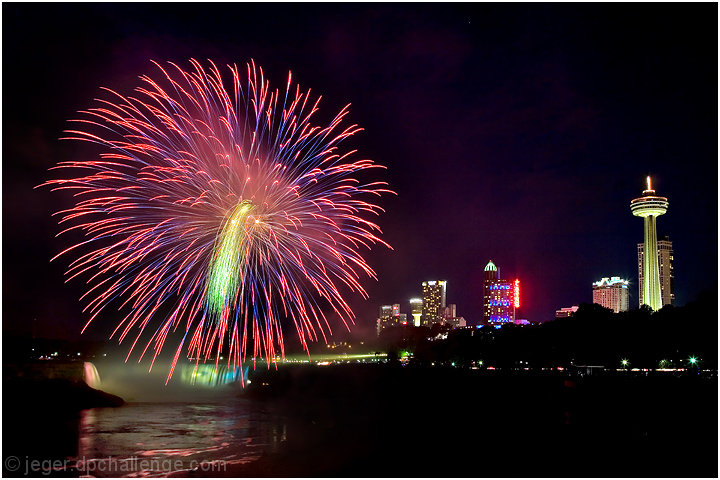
x=490 y=276
x=434 y=298
x=390 y=316
x=416 y=305
x=665 y=262
x=500 y=297
x=385 y=319
x=649 y=207
x=612 y=293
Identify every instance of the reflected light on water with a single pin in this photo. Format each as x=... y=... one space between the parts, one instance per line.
x=159 y=439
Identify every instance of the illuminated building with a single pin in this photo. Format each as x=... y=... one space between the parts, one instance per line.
x=649 y=207
x=434 y=297
x=390 y=316
x=500 y=297
x=456 y=322
x=450 y=311
x=665 y=260
x=449 y=317
x=385 y=319
x=490 y=277
x=612 y=293
x=416 y=305
x=566 y=311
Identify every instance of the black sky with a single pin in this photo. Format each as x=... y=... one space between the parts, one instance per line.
x=517 y=132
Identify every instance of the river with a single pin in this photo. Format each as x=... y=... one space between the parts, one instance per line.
x=383 y=421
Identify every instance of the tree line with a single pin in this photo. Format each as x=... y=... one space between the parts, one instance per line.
x=594 y=335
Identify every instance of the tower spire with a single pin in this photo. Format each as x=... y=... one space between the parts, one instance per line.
x=649 y=186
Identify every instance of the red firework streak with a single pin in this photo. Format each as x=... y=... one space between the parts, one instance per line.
x=219 y=209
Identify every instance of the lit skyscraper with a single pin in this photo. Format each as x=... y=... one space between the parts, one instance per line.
x=650 y=207
x=434 y=298
x=612 y=293
x=490 y=276
x=385 y=319
x=665 y=258
x=500 y=297
x=390 y=316
x=416 y=305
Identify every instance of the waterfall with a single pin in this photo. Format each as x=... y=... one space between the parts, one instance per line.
x=208 y=375
x=90 y=375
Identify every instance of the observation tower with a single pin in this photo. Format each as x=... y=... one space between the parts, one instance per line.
x=650 y=206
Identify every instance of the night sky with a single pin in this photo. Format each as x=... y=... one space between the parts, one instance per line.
x=512 y=132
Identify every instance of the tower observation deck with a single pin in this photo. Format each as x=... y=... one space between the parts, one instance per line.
x=650 y=206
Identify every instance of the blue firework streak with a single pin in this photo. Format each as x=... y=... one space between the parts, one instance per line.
x=223 y=203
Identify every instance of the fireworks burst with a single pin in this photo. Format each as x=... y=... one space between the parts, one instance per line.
x=220 y=212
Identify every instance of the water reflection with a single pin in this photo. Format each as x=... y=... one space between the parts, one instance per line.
x=159 y=439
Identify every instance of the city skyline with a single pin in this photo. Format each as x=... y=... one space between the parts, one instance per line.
x=502 y=138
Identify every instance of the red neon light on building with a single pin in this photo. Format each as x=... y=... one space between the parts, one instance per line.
x=517 y=293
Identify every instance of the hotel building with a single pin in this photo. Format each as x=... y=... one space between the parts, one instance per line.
x=612 y=293
x=665 y=266
x=501 y=297
x=433 y=301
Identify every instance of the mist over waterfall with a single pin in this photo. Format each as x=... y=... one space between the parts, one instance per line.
x=136 y=382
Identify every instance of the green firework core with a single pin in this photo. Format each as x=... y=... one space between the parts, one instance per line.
x=228 y=255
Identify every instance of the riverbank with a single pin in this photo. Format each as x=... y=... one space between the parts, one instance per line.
x=41 y=416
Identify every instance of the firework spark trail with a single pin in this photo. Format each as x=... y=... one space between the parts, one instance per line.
x=224 y=205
